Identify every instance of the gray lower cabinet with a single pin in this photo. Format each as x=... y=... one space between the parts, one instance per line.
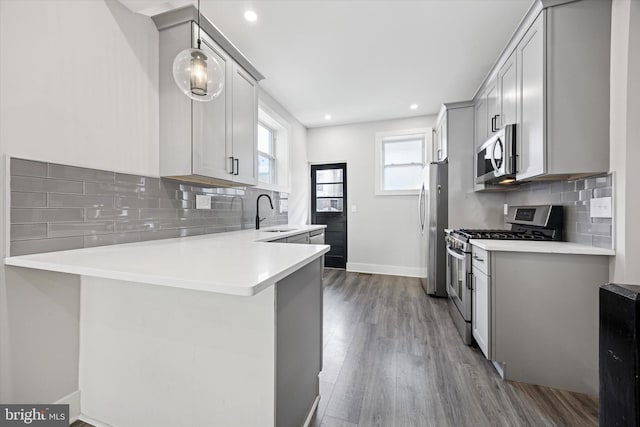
x=299 y=344
x=536 y=316
x=299 y=238
x=481 y=300
x=315 y=237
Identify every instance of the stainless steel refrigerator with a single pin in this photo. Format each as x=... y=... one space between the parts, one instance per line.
x=433 y=215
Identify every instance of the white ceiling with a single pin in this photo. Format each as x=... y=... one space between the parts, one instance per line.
x=364 y=60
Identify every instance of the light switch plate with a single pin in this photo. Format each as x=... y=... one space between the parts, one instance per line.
x=600 y=207
x=203 y=201
x=354 y=208
x=506 y=208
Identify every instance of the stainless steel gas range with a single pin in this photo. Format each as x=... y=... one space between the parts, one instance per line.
x=526 y=223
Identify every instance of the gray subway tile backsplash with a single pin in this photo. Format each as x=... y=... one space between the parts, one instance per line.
x=28 y=231
x=603 y=242
x=29 y=215
x=58 y=207
x=101 y=214
x=80 y=174
x=44 y=185
x=135 y=202
x=63 y=229
x=28 y=200
x=110 y=239
x=25 y=247
x=177 y=204
x=55 y=200
x=602 y=192
x=21 y=167
x=575 y=196
x=158 y=213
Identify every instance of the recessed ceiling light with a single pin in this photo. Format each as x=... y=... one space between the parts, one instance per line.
x=251 y=16
x=413 y=106
x=327 y=116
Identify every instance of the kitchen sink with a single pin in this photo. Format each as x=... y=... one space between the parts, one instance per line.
x=279 y=230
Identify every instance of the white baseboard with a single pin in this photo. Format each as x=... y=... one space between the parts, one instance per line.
x=93 y=421
x=73 y=400
x=312 y=411
x=392 y=270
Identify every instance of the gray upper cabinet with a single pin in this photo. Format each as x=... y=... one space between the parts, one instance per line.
x=486 y=113
x=552 y=81
x=530 y=141
x=245 y=126
x=211 y=142
x=480 y=120
x=507 y=93
x=210 y=125
x=440 y=137
x=492 y=108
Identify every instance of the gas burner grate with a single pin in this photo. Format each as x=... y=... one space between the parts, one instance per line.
x=502 y=234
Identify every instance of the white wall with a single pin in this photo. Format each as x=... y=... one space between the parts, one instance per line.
x=382 y=236
x=299 y=195
x=78 y=85
x=625 y=138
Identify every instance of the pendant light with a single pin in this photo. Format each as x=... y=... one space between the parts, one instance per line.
x=198 y=74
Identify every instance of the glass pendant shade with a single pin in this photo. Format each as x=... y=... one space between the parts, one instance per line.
x=198 y=75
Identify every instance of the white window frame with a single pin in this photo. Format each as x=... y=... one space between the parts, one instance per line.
x=282 y=132
x=400 y=135
x=273 y=157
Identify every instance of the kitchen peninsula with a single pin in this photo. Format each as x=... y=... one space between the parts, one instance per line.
x=221 y=329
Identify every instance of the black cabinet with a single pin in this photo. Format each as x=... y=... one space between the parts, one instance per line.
x=619 y=355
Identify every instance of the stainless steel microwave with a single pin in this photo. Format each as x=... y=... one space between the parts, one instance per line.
x=496 y=158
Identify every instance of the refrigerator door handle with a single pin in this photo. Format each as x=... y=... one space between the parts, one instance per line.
x=421 y=210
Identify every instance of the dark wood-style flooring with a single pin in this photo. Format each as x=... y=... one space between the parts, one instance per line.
x=392 y=358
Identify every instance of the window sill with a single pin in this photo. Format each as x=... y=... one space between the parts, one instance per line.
x=397 y=192
x=274 y=187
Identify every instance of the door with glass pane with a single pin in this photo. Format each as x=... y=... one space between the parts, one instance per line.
x=328 y=204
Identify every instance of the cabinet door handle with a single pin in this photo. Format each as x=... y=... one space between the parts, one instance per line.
x=232 y=165
x=496 y=122
x=493 y=123
x=470 y=281
x=237 y=161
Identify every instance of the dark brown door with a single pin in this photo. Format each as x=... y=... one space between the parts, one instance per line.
x=328 y=206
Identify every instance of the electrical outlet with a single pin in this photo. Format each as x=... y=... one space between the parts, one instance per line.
x=600 y=207
x=354 y=208
x=203 y=201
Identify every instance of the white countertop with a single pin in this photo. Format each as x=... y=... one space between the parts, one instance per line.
x=540 y=247
x=235 y=263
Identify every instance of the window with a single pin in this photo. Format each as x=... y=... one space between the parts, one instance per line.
x=273 y=149
x=266 y=154
x=329 y=185
x=400 y=156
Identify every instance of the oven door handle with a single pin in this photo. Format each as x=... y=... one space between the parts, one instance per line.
x=455 y=254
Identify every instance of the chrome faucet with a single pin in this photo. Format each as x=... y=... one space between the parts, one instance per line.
x=258 y=219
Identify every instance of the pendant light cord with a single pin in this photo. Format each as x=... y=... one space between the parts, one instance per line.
x=199 y=41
